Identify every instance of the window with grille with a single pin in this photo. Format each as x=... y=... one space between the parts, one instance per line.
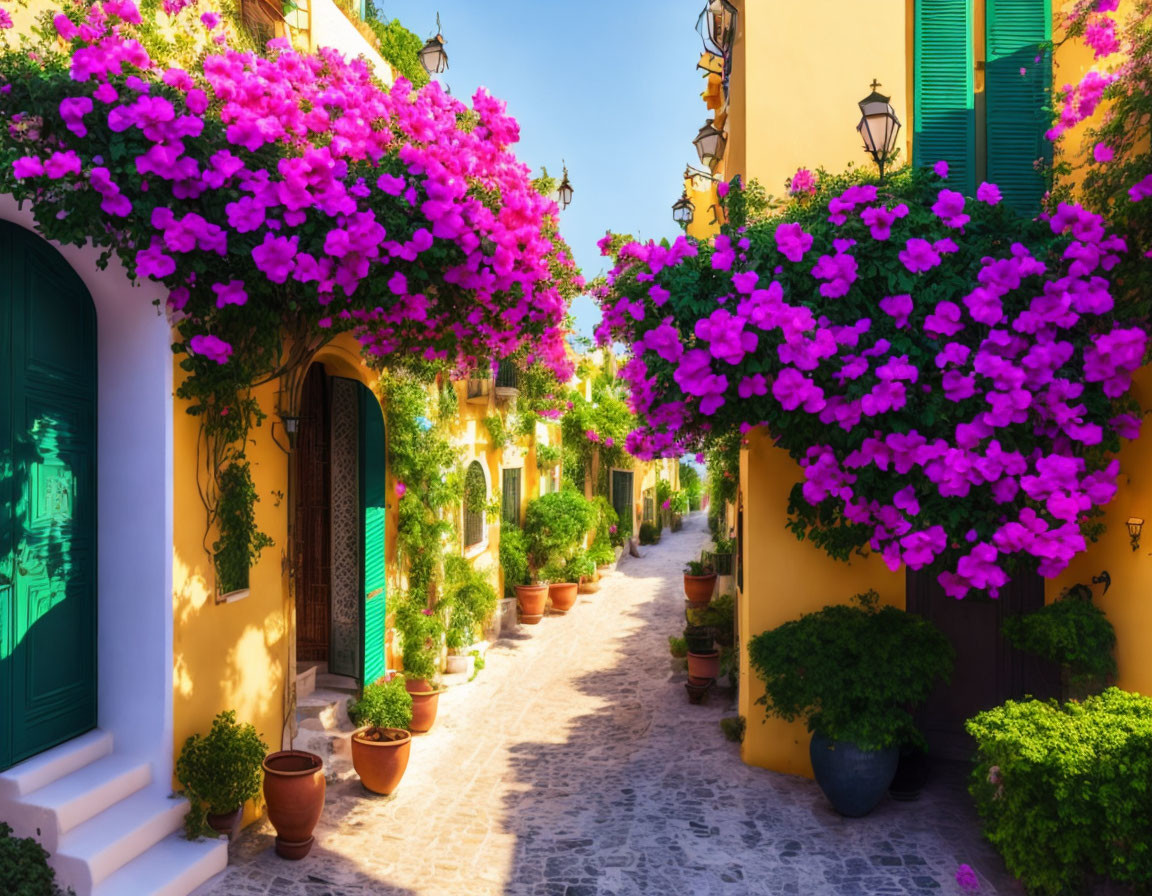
x=511 y=504
x=649 y=507
x=507 y=377
x=475 y=497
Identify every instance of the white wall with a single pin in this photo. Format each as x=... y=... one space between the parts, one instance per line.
x=331 y=28
x=134 y=506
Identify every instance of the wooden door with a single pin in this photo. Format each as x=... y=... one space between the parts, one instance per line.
x=312 y=523
x=47 y=499
x=988 y=669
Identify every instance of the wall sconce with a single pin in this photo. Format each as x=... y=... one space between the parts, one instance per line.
x=291 y=424
x=1135 y=525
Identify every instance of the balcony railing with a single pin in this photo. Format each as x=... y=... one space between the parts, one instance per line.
x=507 y=380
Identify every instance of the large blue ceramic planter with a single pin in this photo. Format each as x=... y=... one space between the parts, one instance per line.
x=854 y=780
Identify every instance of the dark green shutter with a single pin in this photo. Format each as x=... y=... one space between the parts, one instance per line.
x=944 y=117
x=511 y=503
x=373 y=509
x=1017 y=117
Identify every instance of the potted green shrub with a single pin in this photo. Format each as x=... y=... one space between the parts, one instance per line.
x=854 y=673
x=699 y=582
x=218 y=773
x=554 y=529
x=421 y=629
x=530 y=598
x=469 y=599
x=381 y=744
x=649 y=533
x=582 y=568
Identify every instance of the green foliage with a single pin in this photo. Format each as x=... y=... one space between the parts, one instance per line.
x=385 y=703
x=513 y=558
x=691 y=485
x=607 y=416
x=699 y=567
x=601 y=553
x=24 y=869
x=649 y=533
x=477 y=664
x=475 y=490
x=1063 y=791
x=421 y=628
x=547 y=456
x=853 y=673
x=220 y=771
x=1072 y=632
x=555 y=526
x=664 y=492
x=579 y=566
x=240 y=542
x=719 y=616
x=399 y=46
x=722 y=459
x=733 y=728
x=678 y=647
x=605 y=520
x=469 y=599
x=497 y=432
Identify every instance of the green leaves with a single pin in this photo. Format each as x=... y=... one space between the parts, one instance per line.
x=221 y=770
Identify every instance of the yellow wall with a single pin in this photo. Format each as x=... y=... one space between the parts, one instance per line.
x=784 y=578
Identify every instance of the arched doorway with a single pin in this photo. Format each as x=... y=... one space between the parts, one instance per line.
x=47 y=499
x=339 y=522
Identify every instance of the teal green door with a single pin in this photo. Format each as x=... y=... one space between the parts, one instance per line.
x=47 y=499
x=373 y=514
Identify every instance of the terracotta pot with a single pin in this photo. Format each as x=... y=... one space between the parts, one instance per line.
x=562 y=595
x=589 y=587
x=704 y=665
x=697 y=688
x=425 y=701
x=381 y=763
x=226 y=823
x=294 y=792
x=532 y=599
x=698 y=589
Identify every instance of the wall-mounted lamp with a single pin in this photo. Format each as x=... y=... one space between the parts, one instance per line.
x=1135 y=526
x=291 y=424
x=433 y=56
x=878 y=126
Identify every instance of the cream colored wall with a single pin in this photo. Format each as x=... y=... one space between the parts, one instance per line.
x=784 y=578
x=331 y=28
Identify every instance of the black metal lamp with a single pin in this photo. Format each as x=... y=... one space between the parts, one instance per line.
x=710 y=144
x=432 y=55
x=717 y=26
x=564 y=191
x=1135 y=526
x=878 y=126
x=683 y=210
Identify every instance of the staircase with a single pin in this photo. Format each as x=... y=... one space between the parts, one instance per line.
x=109 y=828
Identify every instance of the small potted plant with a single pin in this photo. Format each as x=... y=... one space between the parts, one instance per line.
x=218 y=773
x=531 y=599
x=381 y=745
x=562 y=590
x=699 y=582
x=649 y=533
x=555 y=526
x=421 y=629
x=855 y=674
x=582 y=567
x=469 y=599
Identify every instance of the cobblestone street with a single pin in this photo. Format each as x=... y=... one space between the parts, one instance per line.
x=573 y=765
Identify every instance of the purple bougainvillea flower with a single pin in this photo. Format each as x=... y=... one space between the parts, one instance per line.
x=722 y=188
x=941 y=169
x=1102 y=153
x=211 y=347
x=989 y=193
x=967 y=879
x=401 y=489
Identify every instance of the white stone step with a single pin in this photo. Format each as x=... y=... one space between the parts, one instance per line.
x=53 y=764
x=92 y=851
x=55 y=809
x=173 y=867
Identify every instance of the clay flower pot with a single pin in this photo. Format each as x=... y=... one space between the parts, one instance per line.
x=704 y=665
x=697 y=688
x=226 y=823
x=562 y=595
x=380 y=756
x=532 y=599
x=425 y=702
x=294 y=792
x=698 y=589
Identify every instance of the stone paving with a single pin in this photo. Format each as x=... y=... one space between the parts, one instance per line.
x=574 y=766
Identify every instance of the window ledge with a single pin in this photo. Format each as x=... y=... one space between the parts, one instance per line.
x=477 y=549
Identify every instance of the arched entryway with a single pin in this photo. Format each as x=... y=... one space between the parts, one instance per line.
x=48 y=468
x=339 y=522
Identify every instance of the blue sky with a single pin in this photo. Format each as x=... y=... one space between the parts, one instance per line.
x=612 y=88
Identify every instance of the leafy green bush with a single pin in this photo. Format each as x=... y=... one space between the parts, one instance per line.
x=420 y=628
x=555 y=526
x=1072 y=632
x=601 y=554
x=733 y=728
x=385 y=703
x=24 y=869
x=701 y=567
x=220 y=771
x=649 y=533
x=853 y=673
x=1064 y=790
x=678 y=647
x=469 y=599
x=513 y=558
x=719 y=616
x=579 y=566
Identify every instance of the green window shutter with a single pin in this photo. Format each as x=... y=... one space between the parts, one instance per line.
x=511 y=514
x=1016 y=104
x=944 y=125
x=374 y=510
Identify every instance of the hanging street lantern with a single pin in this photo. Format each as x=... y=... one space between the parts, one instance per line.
x=683 y=211
x=878 y=126
x=717 y=26
x=432 y=56
x=710 y=145
x=564 y=191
